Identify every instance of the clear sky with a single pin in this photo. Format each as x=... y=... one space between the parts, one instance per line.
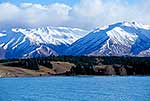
x=43 y=2
x=86 y=14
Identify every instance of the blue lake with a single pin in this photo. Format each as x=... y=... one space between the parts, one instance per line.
x=80 y=88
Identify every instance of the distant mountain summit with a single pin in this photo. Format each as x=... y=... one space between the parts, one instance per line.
x=46 y=41
x=119 y=39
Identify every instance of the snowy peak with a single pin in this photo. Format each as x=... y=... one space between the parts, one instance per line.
x=53 y=35
x=41 y=51
x=46 y=41
x=119 y=39
x=135 y=25
x=123 y=38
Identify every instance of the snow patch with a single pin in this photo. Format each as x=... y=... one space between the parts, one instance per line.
x=2 y=35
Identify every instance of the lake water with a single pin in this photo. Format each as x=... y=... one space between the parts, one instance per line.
x=80 y=88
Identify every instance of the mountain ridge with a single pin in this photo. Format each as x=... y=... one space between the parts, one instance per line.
x=38 y=42
x=118 y=39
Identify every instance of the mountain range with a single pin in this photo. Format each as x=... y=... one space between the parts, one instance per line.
x=118 y=39
x=39 y=42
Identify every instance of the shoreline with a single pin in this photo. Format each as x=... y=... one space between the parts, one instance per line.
x=76 y=76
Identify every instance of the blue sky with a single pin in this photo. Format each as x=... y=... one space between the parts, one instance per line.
x=85 y=14
x=43 y=2
x=68 y=2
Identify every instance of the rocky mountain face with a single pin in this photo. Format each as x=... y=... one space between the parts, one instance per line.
x=119 y=39
x=28 y=43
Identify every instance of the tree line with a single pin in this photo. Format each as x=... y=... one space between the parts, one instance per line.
x=85 y=65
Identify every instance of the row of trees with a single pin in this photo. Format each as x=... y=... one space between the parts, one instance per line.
x=86 y=65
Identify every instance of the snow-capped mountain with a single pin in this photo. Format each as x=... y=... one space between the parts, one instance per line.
x=119 y=39
x=23 y=43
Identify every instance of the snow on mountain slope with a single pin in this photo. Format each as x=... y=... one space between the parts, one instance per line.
x=41 y=52
x=23 y=43
x=53 y=35
x=145 y=53
x=119 y=39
